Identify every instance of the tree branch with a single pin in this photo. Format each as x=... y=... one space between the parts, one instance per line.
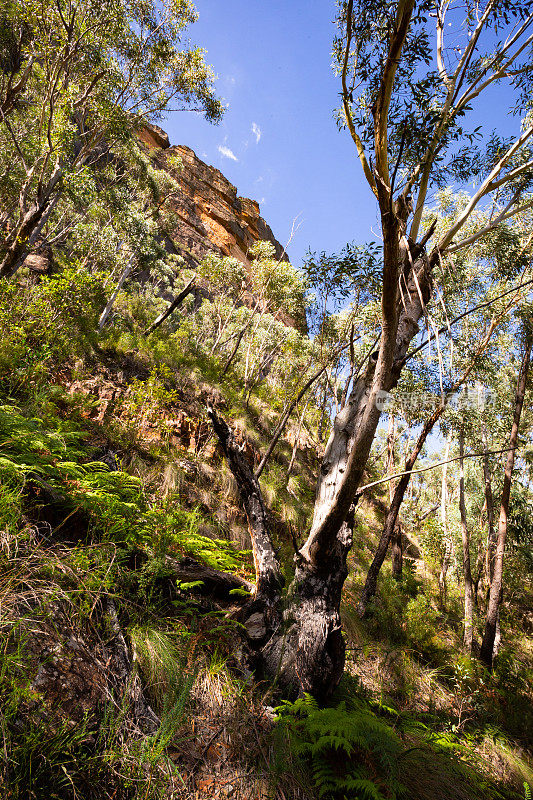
x=431 y=466
x=346 y=106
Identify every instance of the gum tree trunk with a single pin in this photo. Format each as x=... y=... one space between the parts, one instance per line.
x=397 y=552
x=489 y=502
x=302 y=646
x=448 y=544
x=18 y=241
x=496 y=586
x=299 y=642
x=465 y=536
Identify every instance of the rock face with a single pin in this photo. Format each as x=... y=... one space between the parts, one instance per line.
x=211 y=215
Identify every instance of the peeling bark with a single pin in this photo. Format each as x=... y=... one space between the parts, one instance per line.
x=269 y=581
x=307 y=652
x=354 y=428
x=300 y=645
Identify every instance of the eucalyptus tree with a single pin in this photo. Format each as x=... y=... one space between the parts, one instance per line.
x=407 y=98
x=496 y=586
x=86 y=76
x=482 y=277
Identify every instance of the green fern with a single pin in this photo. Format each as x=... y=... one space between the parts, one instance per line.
x=350 y=751
x=53 y=456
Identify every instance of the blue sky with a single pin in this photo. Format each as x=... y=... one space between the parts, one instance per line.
x=278 y=142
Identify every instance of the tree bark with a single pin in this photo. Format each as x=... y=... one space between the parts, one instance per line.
x=235 y=348
x=448 y=544
x=307 y=652
x=355 y=425
x=481 y=555
x=489 y=502
x=489 y=635
x=111 y=302
x=397 y=552
x=301 y=646
x=18 y=241
x=269 y=580
x=465 y=536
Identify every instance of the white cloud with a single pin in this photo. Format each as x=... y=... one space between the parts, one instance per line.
x=225 y=152
x=256 y=130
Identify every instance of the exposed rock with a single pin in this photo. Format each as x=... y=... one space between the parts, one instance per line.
x=255 y=627
x=38 y=262
x=212 y=216
x=154 y=136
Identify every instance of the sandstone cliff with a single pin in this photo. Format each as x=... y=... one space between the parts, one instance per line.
x=211 y=215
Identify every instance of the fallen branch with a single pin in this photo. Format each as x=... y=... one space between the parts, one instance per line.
x=178 y=300
x=215 y=581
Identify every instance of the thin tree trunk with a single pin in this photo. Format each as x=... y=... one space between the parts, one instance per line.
x=481 y=554
x=448 y=545
x=489 y=635
x=224 y=325
x=425 y=514
x=370 y=587
x=396 y=539
x=178 y=300
x=465 y=535
x=285 y=418
x=397 y=552
x=297 y=440
x=110 y=303
x=233 y=352
x=391 y=438
x=489 y=502
x=389 y=527
x=320 y=429
x=237 y=343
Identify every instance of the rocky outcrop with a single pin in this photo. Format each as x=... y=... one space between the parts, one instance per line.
x=153 y=136
x=211 y=217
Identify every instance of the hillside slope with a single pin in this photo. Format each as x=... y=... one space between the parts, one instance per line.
x=125 y=563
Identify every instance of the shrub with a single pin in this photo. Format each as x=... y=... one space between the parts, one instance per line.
x=421 y=622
